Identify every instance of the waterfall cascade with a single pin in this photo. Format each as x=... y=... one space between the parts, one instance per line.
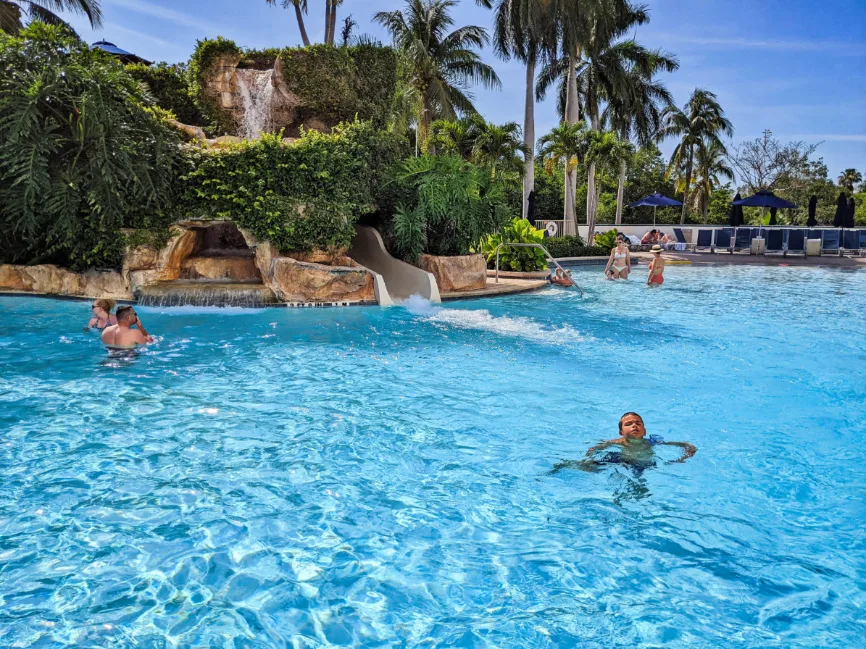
x=257 y=93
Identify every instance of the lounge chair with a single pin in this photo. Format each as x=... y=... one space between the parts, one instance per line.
x=796 y=242
x=830 y=243
x=862 y=241
x=850 y=242
x=681 y=238
x=723 y=240
x=705 y=241
x=775 y=244
x=743 y=240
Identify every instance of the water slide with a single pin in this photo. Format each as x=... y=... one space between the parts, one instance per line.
x=395 y=280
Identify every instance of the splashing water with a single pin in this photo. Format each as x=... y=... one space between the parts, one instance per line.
x=483 y=320
x=257 y=93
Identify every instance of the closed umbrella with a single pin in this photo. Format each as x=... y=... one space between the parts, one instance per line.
x=841 y=216
x=530 y=207
x=736 y=218
x=852 y=207
x=655 y=200
x=772 y=216
x=813 y=206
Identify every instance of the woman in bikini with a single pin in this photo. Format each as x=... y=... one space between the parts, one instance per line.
x=619 y=264
x=102 y=316
x=656 y=268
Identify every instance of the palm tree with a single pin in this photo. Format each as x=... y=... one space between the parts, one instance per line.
x=849 y=178
x=612 y=71
x=456 y=136
x=300 y=9
x=700 y=123
x=44 y=11
x=499 y=147
x=565 y=145
x=711 y=165
x=605 y=152
x=442 y=64
x=636 y=113
x=518 y=31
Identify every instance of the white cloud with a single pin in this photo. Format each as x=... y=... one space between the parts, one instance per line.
x=837 y=47
x=164 y=13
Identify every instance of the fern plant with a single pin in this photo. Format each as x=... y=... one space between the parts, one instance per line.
x=451 y=204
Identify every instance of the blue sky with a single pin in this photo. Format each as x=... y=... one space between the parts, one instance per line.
x=796 y=67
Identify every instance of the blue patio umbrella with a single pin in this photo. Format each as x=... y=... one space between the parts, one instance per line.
x=813 y=206
x=765 y=198
x=841 y=216
x=123 y=55
x=655 y=200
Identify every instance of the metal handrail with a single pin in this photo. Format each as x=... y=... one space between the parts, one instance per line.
x=547 y=254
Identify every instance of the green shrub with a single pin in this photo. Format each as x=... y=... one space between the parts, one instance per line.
x=82 y=153
x=517 y=259
x=261 y=183
x=168 y=85
x=606 y=240
x=564 y=246
x=447 y=205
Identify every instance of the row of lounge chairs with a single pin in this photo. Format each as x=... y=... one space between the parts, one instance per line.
x=779 y=241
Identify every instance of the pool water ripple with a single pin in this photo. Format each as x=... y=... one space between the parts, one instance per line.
x=377 y=478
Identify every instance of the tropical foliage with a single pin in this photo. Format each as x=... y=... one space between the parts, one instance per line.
x=82 y=152
x=515 y=258
x=700 y=124
x=849 y=178
x=301 y=196
x=440 y=65
x=496 y=147
x=45 y=11
x=447 y=206
x=169 y=86
x=606 y=240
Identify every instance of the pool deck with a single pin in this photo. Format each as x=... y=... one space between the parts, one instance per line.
x=742 y=259
x=506 y=286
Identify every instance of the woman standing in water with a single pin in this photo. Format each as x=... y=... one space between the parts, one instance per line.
x=656 y=268
x=102 y=316
x=619 y=264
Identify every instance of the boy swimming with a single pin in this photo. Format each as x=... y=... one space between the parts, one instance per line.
x=635 y=449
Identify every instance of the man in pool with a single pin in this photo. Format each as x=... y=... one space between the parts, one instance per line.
x=636 y=448
x=122 y=335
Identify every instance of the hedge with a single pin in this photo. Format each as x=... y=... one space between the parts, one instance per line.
x=572 y=246
x=169 y=87
x=260 y=184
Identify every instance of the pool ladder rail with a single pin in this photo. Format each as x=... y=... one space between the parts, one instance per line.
x=546 y=253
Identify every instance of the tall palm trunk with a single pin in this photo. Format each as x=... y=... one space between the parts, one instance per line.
x=300 y=16
x=620 y=191
x=571 y=117
x=424 y=123
x=529 y=135
x=327 y=21
x=686 y=188
x=332 y=21
x=591 y=199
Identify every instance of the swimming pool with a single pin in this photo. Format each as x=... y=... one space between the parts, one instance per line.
x=367 y=477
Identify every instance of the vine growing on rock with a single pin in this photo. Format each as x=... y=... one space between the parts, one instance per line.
x=333 y=178
x=206 y=53
x=169 y=86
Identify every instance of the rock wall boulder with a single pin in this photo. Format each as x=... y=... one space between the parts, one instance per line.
x=47 y=279
x=460 y=273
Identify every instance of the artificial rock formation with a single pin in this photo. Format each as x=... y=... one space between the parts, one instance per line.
x=462 y=273
x=47 y=279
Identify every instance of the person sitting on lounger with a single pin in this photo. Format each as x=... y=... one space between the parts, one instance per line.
x=122 y=335
x=650 y=238
x=561 y=279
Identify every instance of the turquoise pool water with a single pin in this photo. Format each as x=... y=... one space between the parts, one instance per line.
x=378 y=478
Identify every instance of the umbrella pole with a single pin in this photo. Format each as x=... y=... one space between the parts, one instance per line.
x=654 y=215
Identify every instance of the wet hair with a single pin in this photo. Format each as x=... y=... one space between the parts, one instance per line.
x=633 y=414
x=123 y=312
x=107 y=305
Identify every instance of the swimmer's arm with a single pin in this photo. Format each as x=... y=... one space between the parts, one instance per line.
x=602 y=446
x=145 y=337
x=688 y=451
x=609 y=260
x=92 y=323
